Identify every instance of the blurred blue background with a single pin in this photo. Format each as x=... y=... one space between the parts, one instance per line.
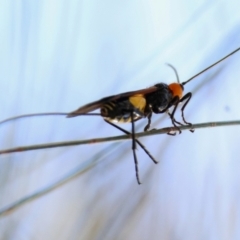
x=60 y=55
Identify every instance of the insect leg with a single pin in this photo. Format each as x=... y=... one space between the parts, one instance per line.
x=134 y=148
x=175 y=101
x=188 y=97
x=171 y=115
x=149 y=122
x=137 y=141
x=169 y=133
x=179 y=123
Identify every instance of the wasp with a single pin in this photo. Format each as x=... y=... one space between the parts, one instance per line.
x=135 y=105
x=130 y=107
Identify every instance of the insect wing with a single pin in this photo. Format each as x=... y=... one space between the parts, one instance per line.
x=97 y=104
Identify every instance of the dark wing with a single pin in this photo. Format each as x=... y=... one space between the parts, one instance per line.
x=98 y=104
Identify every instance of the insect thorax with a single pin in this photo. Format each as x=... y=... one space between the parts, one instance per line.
x=120 y=111
x=159 y=99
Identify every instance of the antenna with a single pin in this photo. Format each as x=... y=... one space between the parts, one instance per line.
x=174 y=69
x=190 y=79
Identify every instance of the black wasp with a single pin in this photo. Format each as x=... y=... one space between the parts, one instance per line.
x=135 y=105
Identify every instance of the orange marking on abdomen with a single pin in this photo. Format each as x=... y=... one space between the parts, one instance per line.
x=138 y=101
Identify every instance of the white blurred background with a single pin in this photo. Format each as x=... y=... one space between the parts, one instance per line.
x=59 y=55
